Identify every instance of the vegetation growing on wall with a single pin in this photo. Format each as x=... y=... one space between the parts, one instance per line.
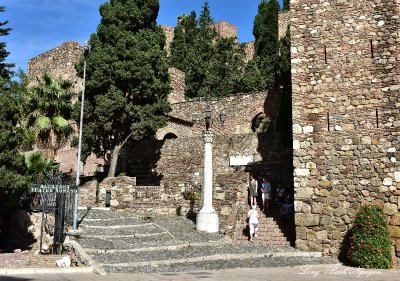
x=370 y=242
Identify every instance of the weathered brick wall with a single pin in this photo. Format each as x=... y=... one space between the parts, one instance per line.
x=346 y=109
x=58 y=63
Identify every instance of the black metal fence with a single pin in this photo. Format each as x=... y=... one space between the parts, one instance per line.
x=54 y=199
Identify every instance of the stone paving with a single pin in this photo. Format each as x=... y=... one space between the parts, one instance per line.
x=123 y=242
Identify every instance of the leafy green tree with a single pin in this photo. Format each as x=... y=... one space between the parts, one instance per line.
x=212 y=64
x=265 y=31
x=49 y=108
x=184 y=35
x=127 y=81
x=224 y=68
x=12 y=167
x=5 y=71
x=13 y=182
x=286 y=5
x=251 y=78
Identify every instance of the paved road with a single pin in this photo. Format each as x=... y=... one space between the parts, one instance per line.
x=332 y=272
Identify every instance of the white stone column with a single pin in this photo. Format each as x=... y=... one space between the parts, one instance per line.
x=207 y=219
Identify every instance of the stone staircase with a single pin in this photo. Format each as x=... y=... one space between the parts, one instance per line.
x=272 y=231
x=121 y=241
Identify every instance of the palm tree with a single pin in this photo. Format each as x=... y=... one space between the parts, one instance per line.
x=40 y=167
x=49 y=106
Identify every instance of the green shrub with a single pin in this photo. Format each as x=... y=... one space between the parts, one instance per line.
x=370 y=245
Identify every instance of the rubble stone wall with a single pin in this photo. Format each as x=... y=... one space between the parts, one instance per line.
x=346 y=117
x=58 y=63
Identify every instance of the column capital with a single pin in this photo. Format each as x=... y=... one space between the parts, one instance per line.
x=208 y=136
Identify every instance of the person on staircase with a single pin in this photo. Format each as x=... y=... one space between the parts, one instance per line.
x=254 y=222
x=253 y=189
x=266 y=193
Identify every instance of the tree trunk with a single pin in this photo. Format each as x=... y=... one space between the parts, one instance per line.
x=114 y=160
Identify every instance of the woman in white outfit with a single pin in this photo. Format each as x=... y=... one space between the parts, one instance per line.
x=253 y=222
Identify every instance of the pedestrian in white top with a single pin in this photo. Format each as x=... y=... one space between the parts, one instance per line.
x=253 y=222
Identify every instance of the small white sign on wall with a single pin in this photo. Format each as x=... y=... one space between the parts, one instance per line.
x=240 y=160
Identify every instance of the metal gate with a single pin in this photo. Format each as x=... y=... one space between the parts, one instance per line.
x=55 y=199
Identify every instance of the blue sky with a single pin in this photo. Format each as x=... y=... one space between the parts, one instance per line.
x=40 y=25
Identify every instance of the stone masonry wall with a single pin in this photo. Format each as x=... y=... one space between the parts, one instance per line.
x=225 y=29
x=346 y=117
x=169 y=35
x=58 y=63
x=178 y=85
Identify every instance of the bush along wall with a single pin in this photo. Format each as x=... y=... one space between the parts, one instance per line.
x=369 y=240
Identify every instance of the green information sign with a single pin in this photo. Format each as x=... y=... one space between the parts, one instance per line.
x=58 y=188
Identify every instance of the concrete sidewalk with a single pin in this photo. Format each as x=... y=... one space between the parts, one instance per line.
x=331 y=272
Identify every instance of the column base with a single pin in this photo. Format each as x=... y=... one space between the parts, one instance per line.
x=207 y=222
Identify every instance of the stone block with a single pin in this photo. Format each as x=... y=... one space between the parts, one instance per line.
x=321 y=235
x=311 y=235
x=387 y=181
x=297 y=129
x=395 y=220
x=226 y=210
x=397 y=176
x=301 y=172
x=390 y=209
x=303 y=193
x=317 y=208
x=336 y=235
x=366 y=140
x=301 y=233
x=302 y=245
x=322 y=192
x=326 y=220
x=306 y=219
x=394 y=231
x=308 y=129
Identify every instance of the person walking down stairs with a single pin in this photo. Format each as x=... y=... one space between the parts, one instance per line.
x=254 y=222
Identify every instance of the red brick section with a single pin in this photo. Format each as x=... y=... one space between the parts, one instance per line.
x=272 y=231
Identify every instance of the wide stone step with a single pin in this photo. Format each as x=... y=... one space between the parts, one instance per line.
x=121 y=230
x=125 y=242
x=185 y=254
x=198 y=258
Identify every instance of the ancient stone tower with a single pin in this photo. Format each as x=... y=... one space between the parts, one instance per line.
x=346 y=116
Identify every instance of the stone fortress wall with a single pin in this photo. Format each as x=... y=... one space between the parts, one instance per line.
x=346 y=117
x=58 y=63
